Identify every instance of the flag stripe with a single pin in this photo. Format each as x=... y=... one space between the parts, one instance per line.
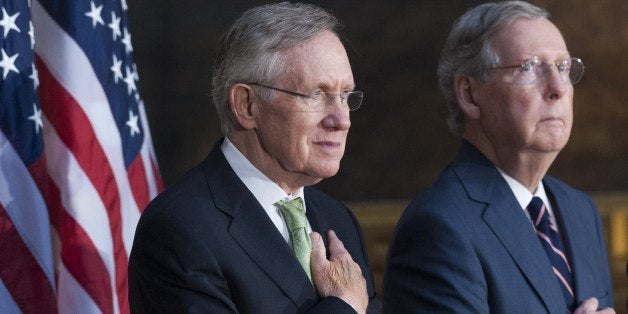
x=72 y=297
x=7 y=304
x=18 y=191
x=155 y=183
x=69 y=65
x=76 y=133
x=19 y=270
x=78 y=253
x=139 y=185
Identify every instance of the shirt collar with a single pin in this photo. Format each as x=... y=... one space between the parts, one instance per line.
x=524 y=197
x=264 y=189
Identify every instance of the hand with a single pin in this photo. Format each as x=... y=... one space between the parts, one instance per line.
x=590 y=306
x=339 y=276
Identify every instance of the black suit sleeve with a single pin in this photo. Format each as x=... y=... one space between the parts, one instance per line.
x=166 y=276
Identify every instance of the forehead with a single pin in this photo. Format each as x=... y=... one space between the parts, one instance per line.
x=319 y=62
x=525 y=38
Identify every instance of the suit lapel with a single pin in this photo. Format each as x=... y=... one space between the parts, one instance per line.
x=258 y=236
x=568 y=216
x=317 y=220
x=506 y=219
x=254 y=232
x=513 y=229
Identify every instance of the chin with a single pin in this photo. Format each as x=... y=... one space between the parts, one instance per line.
x=553 y=146
x=326 y=171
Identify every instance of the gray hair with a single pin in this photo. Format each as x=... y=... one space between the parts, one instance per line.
x=252 y=50
x=468 y=50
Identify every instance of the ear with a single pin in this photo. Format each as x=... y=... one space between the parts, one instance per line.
x=241 y=103
x=463 y=86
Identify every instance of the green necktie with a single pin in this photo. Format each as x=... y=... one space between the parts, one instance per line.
x=294 y=215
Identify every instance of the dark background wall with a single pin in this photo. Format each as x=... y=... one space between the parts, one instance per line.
x=398 y=141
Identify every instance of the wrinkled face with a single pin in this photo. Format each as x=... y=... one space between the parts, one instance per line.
x=533 y=117
x=297 y=139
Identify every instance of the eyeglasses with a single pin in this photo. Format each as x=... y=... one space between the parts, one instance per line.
x=321 y=101
x=533 y=69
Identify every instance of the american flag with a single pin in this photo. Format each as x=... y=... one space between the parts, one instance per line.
x=76 y=160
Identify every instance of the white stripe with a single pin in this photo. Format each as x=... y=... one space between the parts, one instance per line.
x=70 y=66
x=7 y=305
x=79 y=198
x=24 y=204
x=72 y=298
x=148 y=154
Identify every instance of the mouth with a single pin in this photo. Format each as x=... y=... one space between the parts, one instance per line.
x=552 y=120
x=329 y=144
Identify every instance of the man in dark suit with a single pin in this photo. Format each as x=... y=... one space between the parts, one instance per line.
x=232 y=235
x=495 y=233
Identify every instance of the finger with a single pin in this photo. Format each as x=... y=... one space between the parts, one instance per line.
x=336 y=248
x=318 y=256
x=587 y=306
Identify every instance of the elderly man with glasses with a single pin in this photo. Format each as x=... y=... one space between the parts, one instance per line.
x=244 y=232
x=494 y=233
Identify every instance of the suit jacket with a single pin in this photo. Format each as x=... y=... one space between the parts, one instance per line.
x=206 y=245
x=466 y=245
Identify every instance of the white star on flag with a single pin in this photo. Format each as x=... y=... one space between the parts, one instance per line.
x=8 y=64
x=8 y=22
x=35 y=77
x=126 y=40
x=31 y=34
x=94 y=14
x=136 y=76
x=36 y=118
x=130 y=81
x=115 y=25
x=132 y=123
x=116 y=68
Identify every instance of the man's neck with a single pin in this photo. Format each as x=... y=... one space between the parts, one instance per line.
x=527 y=167
x=252 y=150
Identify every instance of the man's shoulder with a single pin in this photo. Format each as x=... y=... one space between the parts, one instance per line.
x=561 y=189
x=323 y=201
x=558 y=185
x=187 y=193
x=315 y=193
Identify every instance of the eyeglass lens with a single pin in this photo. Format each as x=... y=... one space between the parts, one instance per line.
x=570 y=70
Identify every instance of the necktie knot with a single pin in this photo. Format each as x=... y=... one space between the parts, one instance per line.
x=538 y=213
x=293 y=213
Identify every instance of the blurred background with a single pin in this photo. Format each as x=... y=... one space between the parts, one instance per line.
x=399 y=140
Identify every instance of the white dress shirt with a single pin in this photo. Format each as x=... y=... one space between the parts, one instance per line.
x=524 y=197
x=264 y=189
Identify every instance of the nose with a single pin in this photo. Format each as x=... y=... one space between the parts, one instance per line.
x=337 y=114
x=555 y=83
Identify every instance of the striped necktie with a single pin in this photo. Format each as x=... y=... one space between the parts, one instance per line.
x=552 y=243
x=293 y=213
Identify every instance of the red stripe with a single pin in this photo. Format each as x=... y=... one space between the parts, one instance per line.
x=75 y=130
x=158 y=180
x=78 y=253
x=21 y=273
x=138 y=182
